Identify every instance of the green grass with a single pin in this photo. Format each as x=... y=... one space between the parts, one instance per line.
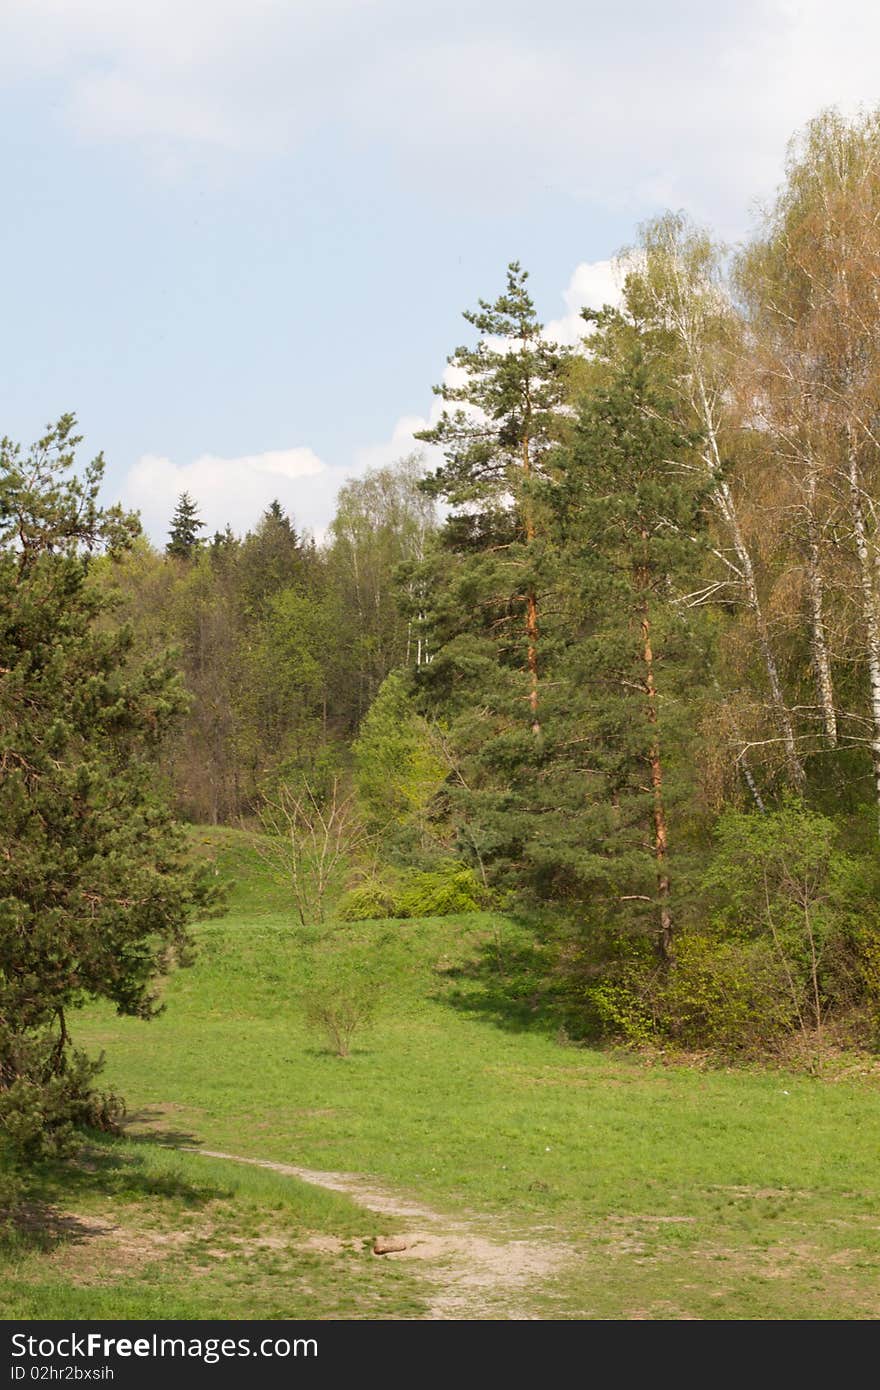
x=679 y=1192
x=137 y=1230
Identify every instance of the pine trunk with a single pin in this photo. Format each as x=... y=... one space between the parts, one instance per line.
x=661 y=835
x=531 y=596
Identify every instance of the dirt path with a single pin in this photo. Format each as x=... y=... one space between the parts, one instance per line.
x=476 y=1274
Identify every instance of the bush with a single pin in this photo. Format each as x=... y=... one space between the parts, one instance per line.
x=41 y=1108
x=344 y=982
x=731 y=996
x=11 y=1190
x=621 y=1012
x=338 y=1006
x=444 y=891
x=372 y=899
x=441 y=892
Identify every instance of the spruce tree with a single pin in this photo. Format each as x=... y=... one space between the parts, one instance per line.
x=94 y=893
x=270 y=559
x=183 y=539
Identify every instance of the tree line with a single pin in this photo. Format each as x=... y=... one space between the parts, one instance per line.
x=638 y=601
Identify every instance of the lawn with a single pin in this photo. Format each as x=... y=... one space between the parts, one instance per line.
x=624 y=1189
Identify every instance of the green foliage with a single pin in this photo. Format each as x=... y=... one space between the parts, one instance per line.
x=792 y=943
x=51 y=1098
x=444 y=891
x=11 y=1191
x=94 y=891
x=515 y=379
x=398 y=766
x=338 y=1005
x=370 y=900
x=729 y=996
x=782 y=878
x=183 y=539
x=343 y=983
x=449 y=889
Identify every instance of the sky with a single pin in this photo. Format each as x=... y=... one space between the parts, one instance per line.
x=238 y=235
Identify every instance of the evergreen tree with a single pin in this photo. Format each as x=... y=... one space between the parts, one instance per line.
x=498 y=444
x=184 y=538
x=630 y=512
x=94 y=895
x=271 y=559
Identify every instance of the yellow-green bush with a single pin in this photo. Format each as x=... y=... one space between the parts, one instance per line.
x=731 y=996
x=444 y=891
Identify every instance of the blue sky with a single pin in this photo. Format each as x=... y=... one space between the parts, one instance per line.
x=238 y=234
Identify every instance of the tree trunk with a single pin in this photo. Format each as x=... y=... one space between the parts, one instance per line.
x=661 y=837
x=532 y=632
x=723 y=499
x=870 y=611
x=818 y=634
x=531 y=599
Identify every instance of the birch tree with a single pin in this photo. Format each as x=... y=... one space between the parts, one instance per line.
x=680 y=287
x=818 y=277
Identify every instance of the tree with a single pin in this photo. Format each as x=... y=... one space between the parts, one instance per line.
x=783 y=877
x=399 y=769
x=811 y=283
x=94 y=891
x=680 y=287
x=509 y=391
x=629 y=508
x=185 y=526
x=380 y=534
x=310 y=840
x=270 y=559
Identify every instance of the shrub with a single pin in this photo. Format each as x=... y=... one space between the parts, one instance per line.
x=622 y=1012
x=448 y=889
x=731 y=996
x=338 y=1006
x=728 y=996
x=373 y=898
x=441 y=892
x=343 y=983
x=398 y=766
x=41 y=1109
x=11 y=1190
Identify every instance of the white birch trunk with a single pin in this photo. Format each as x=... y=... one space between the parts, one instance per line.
x=870 y=611
x=724 y=502
x=818 y=632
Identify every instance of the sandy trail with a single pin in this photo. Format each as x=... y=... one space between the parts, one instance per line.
x=476 y=1273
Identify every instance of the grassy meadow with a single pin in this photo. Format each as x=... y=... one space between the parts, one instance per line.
x=551 y=1181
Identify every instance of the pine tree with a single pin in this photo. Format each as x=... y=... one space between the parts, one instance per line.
x=631 y=511
x=498 y=444
x=183 y=538
x=94 y=894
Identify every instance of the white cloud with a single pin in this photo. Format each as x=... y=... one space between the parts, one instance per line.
x=593 y=285
x=238 y=490
x=498 y=103
x=231 y=490
x=401 y=442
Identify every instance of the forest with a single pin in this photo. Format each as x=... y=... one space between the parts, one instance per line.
x=610 y=667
